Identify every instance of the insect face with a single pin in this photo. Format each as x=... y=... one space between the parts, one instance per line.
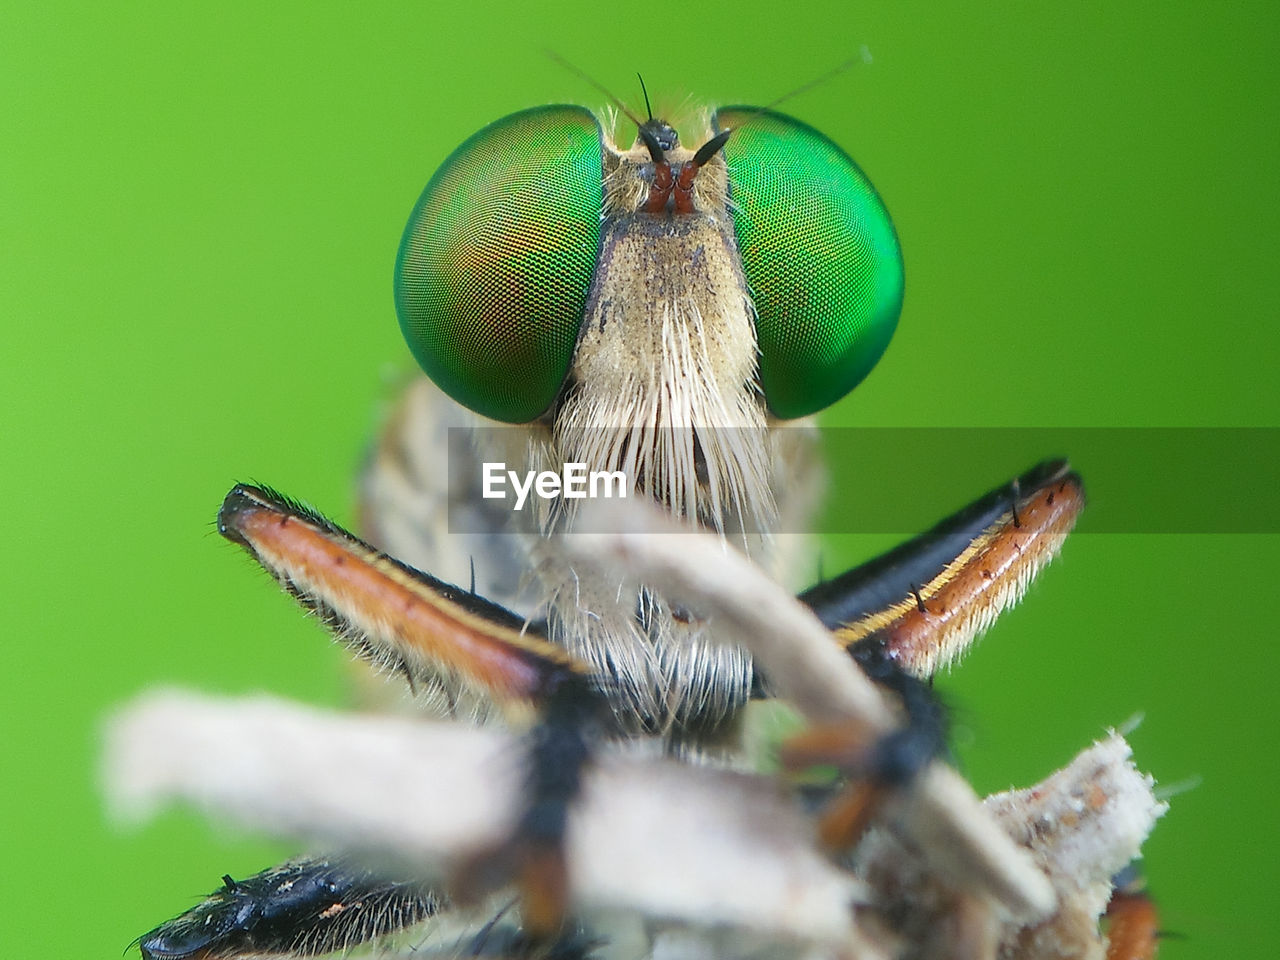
x=511 y=256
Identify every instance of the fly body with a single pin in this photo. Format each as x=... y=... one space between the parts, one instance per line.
x=674 y=322
x=653 y=312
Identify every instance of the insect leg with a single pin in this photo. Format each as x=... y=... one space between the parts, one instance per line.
x=926 y=601
x=399 y=617
x=389 y=613
x=904 y=614
x=300 y=908
x=1132 y=921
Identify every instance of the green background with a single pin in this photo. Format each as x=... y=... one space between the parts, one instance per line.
x=199 y=206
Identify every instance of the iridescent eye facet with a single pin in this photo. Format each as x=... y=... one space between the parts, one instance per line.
x=820 y=256
x=492 y=276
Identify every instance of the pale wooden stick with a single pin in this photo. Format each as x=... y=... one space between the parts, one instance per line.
x=707 y=848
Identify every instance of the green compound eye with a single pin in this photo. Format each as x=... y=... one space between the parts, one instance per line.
x=820 y=256
x=494 y=267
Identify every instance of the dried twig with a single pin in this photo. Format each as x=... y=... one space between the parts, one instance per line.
x=685 y=844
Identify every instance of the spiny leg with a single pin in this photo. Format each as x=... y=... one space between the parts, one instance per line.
x=392 y=614
x=389 y=613
x=907 y=613
x=309 y=906
x=433 y=634
x=928 y=599
x=302 y=907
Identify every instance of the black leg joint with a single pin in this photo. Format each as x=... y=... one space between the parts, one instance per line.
x=559 y=749
x=900 y=755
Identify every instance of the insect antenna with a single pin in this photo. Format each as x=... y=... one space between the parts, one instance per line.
x=645 y=90
x=863 y=56
x=583 y=75
x=650 y=132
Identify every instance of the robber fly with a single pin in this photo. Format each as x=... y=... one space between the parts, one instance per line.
x=656 y=311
